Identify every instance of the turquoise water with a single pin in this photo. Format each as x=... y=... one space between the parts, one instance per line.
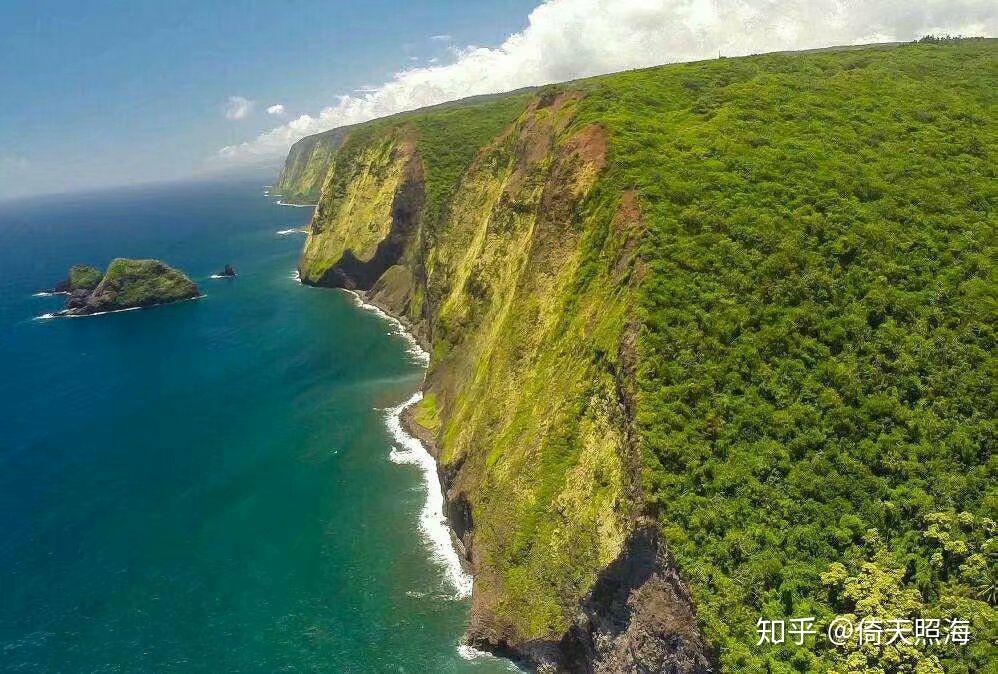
x=205 y=486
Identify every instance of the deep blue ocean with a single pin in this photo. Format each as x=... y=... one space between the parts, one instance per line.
x=206 y=486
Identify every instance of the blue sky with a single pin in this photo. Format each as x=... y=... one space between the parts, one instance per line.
x=98 y=93
x=101 y=93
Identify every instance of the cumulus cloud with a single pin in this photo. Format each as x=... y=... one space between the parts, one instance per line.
x=277 y=109
x=568 y=39
x=238 y=107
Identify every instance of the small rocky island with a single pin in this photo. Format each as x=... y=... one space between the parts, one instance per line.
x=127 y=284
x=228 y=272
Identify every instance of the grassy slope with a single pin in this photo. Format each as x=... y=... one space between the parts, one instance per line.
x=816 y=378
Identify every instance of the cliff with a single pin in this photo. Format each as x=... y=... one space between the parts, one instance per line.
x=305 y=168
x=687 y=339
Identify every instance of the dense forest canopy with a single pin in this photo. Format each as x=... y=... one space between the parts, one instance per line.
x=818 y=358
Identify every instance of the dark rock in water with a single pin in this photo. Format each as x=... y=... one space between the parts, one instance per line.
x=228 y=271
x=126 y=285
x=77 y=299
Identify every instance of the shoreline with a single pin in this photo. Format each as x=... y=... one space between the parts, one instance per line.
x=435 y=525
x=61 y=314
x=419 y=348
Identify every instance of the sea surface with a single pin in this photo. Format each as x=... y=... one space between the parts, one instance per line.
x=208 y=486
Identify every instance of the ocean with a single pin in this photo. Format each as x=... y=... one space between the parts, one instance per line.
x=217 y=485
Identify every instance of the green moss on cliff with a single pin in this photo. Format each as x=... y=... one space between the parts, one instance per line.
x=307 y=165
x=374 y=159
x=356 y=210
x=426 y=413
x=525 y=383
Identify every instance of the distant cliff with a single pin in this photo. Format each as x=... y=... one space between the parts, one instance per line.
x=305 y=168
x=697 y=334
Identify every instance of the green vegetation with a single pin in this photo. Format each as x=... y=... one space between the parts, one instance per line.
x=373 y=160
x=803 y=246
x=81 y=278
x=139 y=283
x=448 y=138
x=306 y=166
x=514 y=392
x=359 y=203
x=84 y=277
x=426 y=413
x=817 y=362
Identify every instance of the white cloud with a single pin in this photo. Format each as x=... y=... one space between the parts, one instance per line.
x=238 y=107
x=441 y=38
x=567 y=39
x=277 y=109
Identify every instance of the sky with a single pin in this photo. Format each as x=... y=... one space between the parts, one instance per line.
x=104 y=93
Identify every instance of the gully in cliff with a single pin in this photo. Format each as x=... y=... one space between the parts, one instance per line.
x=127 y=284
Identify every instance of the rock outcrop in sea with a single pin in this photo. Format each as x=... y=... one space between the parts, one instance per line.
x=127 y=284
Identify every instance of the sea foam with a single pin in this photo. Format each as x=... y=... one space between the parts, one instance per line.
x=409 y=450
x=432 y=523
x=398 y=328
x=116 y=311
x=471 y=653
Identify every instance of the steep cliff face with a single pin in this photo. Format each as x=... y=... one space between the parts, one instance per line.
x=690 y=357
x=305 y=168
x=522 y=282
x=367 y=216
